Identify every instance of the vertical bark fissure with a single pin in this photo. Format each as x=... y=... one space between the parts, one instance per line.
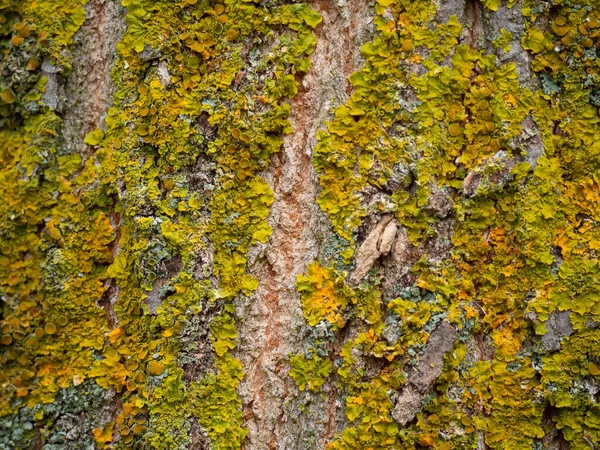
x=88 y=90
x=271 y=328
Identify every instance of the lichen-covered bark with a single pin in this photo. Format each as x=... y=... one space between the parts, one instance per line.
x=291 y=224
x=271 y=322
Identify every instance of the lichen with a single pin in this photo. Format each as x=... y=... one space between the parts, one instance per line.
x=518 y=166
x=225 y=101
x=201 y=87
x=54 y=238
x=310 y=371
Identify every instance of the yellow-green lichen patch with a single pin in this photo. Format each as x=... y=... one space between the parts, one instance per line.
x=368 y=408
x=519 y=168
x=310 y=372
x=56 y=230
x=201 y=88
x=191 y=128
x=324 y=295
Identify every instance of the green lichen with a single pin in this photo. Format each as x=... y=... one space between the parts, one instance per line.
x=524 y=233
x=324 y=295
x=231 y=71
x=68 y=421
x=503 y=41
x=212 y=80
x=54 y=239
x=311 y=371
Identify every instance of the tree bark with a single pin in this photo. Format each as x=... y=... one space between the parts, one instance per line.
x=286 y=224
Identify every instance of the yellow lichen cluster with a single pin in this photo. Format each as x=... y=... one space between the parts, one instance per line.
x=324 y=295
x=201 y=88
x=519 y=169
x=212 y=107
x=54 y=237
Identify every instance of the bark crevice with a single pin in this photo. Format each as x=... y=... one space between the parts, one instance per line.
x=271 y=323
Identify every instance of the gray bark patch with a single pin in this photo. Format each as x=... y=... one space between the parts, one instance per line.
x=411 y=398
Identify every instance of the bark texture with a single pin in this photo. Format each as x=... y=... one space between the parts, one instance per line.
x=299 y=224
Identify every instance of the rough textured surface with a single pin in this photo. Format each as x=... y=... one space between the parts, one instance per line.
x=271 y=319
x=371 y=249
x=299 y=224
x=558 y=327
x=410 y=400
x=88 y=90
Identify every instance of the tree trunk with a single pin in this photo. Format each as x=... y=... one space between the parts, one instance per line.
x=287 y=224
